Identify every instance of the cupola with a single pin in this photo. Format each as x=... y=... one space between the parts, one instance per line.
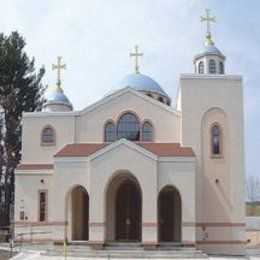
x=210 y=60
x=57 y=101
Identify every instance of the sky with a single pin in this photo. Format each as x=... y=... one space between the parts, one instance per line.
x=94 y=37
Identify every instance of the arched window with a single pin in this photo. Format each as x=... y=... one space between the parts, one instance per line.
x=147 y=132
x=212 y=67
x=128 y=127
x=110 y=133
x=216 y=140
x=221 y=67
x=201 y=67
x=48 y=135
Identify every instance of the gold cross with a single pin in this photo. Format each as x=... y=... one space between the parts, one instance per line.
x=208 y=19
x=136 y=55
x=59 y=67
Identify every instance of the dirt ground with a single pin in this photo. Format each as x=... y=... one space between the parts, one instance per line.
x=5 y=255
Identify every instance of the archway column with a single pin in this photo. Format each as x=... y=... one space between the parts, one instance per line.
x=149 y=212
x=97 y=225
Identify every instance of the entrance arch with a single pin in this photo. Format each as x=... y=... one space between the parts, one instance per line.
x=169 y=215
x=124 y=209
x=79 y=213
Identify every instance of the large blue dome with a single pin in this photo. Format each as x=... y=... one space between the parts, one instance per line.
x=141 y=82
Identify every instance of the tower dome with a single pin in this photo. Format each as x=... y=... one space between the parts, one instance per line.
x=210 y=60
x=58 y=101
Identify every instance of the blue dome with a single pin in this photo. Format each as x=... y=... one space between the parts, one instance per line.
x=141 y=82
x=59 y=97
x=211 y=49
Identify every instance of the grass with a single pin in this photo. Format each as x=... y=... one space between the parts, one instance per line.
x=253 y=208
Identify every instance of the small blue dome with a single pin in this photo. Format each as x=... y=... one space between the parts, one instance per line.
x=141 y=82
x=59 y=97
x=211 y=49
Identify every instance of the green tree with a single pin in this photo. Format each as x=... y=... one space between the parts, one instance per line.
x=20 y=90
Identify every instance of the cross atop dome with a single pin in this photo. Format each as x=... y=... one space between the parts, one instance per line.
x=136 y=55
x=208 y=19
x=59 y=66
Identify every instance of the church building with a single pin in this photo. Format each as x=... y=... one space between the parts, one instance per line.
x=133 y=168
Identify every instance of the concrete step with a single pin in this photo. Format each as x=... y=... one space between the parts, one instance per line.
x=129 y=252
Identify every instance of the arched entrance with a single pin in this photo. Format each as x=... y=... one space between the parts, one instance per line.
x=123 y=209
x=128 y=212
x=79 y=213
x=169 y=215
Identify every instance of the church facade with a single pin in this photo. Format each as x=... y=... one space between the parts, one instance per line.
x=133 y=168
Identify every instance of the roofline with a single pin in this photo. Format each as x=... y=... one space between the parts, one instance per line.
x=190 y=76
x=101 y=102
x=118 y=143
x=121 y=142
x=209 y=53
x=54 y=102
x=123 y=91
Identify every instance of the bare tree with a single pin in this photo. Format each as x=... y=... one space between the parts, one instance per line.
x=253 y=189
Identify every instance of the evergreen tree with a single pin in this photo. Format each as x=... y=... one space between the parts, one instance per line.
x=20 y=90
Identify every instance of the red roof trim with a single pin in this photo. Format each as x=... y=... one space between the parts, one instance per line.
x=35 y=167
x=160 y=149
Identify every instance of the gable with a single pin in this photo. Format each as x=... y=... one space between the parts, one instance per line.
x=125 y=92
x=91 y=121
x=93 y=150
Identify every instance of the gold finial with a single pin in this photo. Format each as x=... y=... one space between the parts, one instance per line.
x=208 y=19
x=59 y=67
x=136 y=55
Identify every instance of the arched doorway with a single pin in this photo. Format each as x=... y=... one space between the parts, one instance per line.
x=128 y=212
x=169 y=215
x=123 y=208
x=79 y=213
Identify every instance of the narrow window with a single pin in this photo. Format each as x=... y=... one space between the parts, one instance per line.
x=42 y=206
x=21 y=215
x=147 y=132
x=221 y=67
x=48 y=135
x=161 y=99
x=212 y=67
x=110 y=132
x=216 y=140
x=128 y=127
x=201 y=67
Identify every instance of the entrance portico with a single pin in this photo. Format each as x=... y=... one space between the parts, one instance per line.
x=128 y=185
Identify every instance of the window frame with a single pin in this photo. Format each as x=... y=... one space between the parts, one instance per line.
x=215 y=66
x=220 y=154
x=199 y=67
x=115 y=131
x=48 y=143
x=221 y=69
x=137 y=120
x=45 y=191
x=152 y=132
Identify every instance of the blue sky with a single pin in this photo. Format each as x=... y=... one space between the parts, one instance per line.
x=96 y=36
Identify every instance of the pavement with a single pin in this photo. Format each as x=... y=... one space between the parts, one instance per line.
x=33 y=252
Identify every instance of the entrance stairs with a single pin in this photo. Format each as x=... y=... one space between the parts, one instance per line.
x=120 y=250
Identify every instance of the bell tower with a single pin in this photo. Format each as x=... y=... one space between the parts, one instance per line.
x=210 y=60
x=211 y=105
